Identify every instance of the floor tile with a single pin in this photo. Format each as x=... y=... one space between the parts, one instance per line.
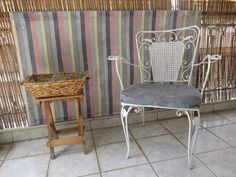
x=28 y=148
x=78 y=146
x=94 y=175
x=230 y=115
x=222 y=163
x=149 y=129
x=180 y=168
x=205 y=141
x=108 y=135
x=168 y=156
x=73 y=164
x=213 y=120
x=35 y=166
x=179 y=124
x=162 y=148
x=227 y=133
x=138 y=171
x=4 y=150
x=113 y=156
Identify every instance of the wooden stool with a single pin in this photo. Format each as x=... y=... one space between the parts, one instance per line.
x=53 y=132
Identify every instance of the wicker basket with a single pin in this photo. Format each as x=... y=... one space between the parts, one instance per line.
x=53 y=85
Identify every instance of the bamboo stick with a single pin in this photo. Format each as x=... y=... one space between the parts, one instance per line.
x=220 y=13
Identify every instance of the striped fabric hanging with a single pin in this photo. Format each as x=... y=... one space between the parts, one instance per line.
x=81 y=40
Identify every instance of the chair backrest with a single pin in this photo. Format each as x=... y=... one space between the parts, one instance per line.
x=169 y=55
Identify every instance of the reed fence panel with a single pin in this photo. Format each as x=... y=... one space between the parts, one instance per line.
x=218 y=36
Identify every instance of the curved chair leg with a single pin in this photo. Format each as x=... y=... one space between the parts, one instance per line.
x=142 y=115
x=192 y=134
x=124 y=119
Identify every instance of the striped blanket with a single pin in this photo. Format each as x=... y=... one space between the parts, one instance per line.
x=81 y=40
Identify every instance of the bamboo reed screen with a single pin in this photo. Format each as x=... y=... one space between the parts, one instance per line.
x=12 y=109
x=218 y=36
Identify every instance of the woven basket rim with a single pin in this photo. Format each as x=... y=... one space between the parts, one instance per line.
x=61 y=81
x=25 y=81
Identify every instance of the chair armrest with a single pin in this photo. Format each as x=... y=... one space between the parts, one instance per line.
x=122 y=60
x=208 y=60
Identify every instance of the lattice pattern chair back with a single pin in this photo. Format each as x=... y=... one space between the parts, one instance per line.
x=167 y=56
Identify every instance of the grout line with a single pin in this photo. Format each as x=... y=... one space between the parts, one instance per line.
x=153 y=136
x=117 y=142
x=24 y=140
x=206 y=130
x=89 y=174
x=175 y=136
x=219 y=137
x=123 y=141
x=174 y=158
x=49 y=162
x=205 y=165
x=194 y=153
x=4 y=159
x=224 y=117
x=100 y=172
x=143 y=152
x=120 y=125
x=22 y=157
x=218 y=125
x=213 y=151
x=122 y=168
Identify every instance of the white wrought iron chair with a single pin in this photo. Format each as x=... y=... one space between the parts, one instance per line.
x=166 y=63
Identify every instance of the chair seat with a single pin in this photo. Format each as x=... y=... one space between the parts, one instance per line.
x=162 y=95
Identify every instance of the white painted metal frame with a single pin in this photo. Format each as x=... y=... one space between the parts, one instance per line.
x=173 y=37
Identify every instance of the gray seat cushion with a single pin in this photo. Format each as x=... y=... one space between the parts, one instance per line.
x=163 y=95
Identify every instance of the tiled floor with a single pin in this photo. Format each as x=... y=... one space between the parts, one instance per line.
x=158 y=148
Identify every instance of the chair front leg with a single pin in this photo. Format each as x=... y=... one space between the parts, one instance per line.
x=142 y=115
x=192 y=134
x=124 y=120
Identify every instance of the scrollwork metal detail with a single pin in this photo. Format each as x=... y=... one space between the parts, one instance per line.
x=188 y=36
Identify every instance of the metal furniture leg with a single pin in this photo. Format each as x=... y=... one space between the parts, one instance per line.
x=192 y=134
x=124 y=120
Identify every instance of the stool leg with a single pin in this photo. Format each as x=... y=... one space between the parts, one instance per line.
x=49 y=125
x=80 y=126
x=53 y=128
